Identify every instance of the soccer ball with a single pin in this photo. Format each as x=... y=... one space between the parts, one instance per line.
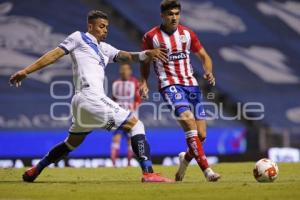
x=265 y=170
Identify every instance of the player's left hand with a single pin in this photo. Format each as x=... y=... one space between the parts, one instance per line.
x=16 y=79
x=158 y=53
x=210 y=78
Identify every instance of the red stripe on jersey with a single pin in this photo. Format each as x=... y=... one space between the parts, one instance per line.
x=181 y=32
x=126 y=93
x=166 y=65
x=176 y=62
x=157 y=74
x=147 y=43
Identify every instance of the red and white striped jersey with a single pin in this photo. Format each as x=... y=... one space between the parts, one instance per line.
x=179 y=44
x=126 y=93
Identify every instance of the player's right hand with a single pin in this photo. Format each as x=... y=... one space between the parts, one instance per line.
x=210 y=78
x=144 y=90
x=158 y=53
x=16 y=79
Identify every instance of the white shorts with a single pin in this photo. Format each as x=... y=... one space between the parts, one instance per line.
x=91 y=112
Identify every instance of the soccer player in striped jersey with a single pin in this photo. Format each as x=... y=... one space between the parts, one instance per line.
x=125 y=91
x=177 y=85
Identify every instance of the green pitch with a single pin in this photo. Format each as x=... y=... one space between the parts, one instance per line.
x=124 y=183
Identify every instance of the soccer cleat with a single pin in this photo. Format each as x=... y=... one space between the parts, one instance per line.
x=155 y=178
x=31 y=174
x=183 y=164
x=211 y=176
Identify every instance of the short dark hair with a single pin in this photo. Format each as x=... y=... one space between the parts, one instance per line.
x=169 y=4
x=95 y=14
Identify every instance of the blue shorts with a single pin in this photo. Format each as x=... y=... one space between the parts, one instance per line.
x=121 y=132
x=181 y=98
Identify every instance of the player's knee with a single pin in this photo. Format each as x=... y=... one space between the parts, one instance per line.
x=73 y=141
x=130 y=124
x=70 y=147
x=137 y=129
x=187 y=121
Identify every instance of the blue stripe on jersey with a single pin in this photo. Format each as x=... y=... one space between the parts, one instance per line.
x=94 y=46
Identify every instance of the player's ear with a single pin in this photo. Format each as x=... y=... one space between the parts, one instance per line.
x=161 y=15
x=89 y=26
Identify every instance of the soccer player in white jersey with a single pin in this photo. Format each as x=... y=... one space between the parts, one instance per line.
x=177 y=85
x=91 y=108
x=125 y=91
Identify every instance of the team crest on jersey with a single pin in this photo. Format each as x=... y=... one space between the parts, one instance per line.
x=183 y=39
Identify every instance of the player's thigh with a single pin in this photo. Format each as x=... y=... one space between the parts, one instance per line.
x=175 y=97
x=187 y=121
x=100 y=112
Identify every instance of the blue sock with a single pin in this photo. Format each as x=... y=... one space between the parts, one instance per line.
x=141 y=149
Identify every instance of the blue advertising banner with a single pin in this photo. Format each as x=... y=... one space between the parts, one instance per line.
x=164 y=142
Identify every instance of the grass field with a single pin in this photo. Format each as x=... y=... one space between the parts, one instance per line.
x=124 y=183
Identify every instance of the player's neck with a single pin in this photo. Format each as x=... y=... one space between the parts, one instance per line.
x=167 y=30
x=94 y=38
x=124 y=79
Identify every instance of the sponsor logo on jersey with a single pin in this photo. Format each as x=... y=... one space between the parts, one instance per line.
x=177 y=56
x=110 y=124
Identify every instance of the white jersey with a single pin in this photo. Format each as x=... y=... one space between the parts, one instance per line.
x=91 y=108
x=89 y=61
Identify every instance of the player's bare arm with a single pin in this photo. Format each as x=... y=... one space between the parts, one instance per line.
x=207 y=66
x=47 y=59
x=130 y=57
x=145 y=71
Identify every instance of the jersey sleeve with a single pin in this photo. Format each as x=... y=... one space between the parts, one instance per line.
x=147 y=42
x=70 y=43
x=195 y=43
x=110 y=51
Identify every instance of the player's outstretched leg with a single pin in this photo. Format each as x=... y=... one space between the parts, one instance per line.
x=141 y=148
x=184 y=159
x=195 y=150
x=54 y=155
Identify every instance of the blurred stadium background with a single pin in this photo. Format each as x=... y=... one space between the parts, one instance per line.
x=255 y=46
